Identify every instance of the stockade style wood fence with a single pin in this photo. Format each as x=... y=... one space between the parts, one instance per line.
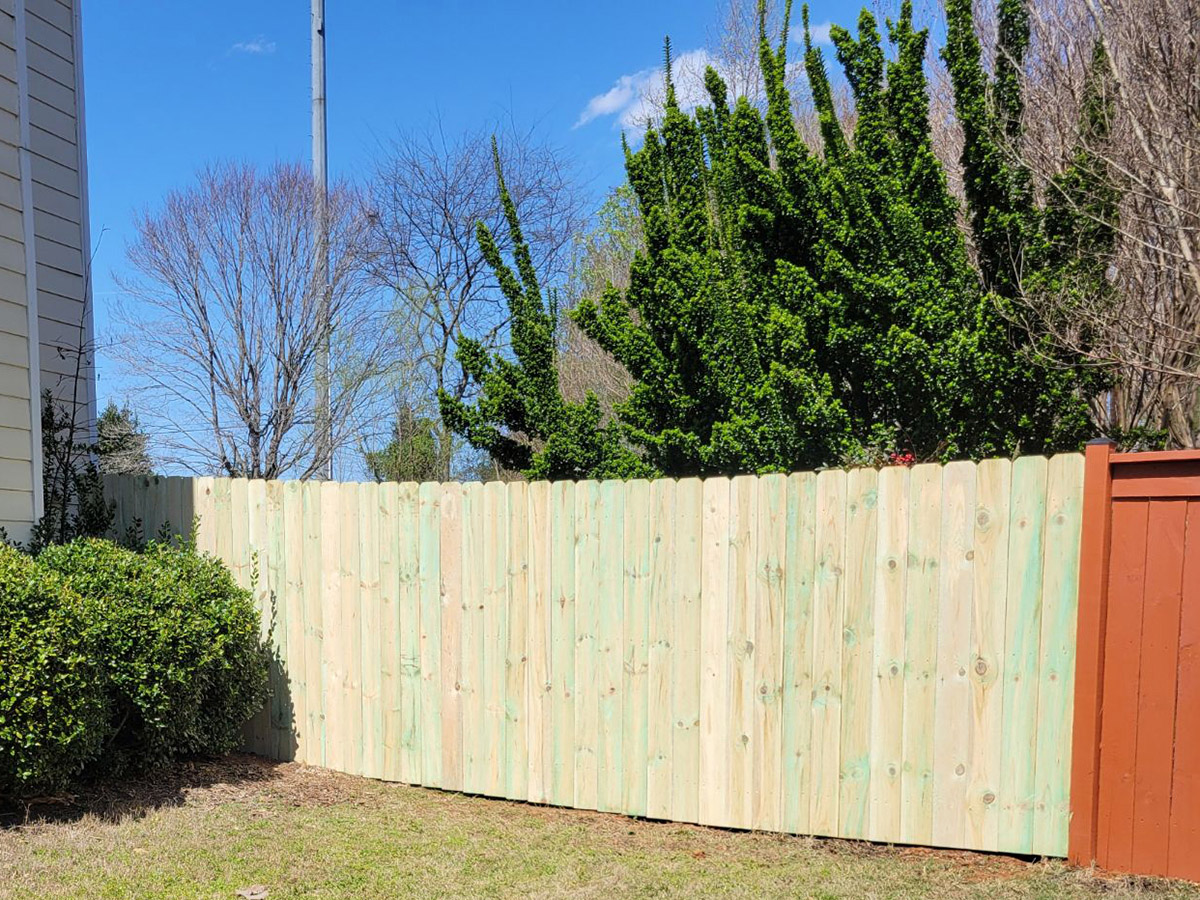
x=886 y=655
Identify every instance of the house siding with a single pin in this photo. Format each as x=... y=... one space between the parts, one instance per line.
x=44 y=285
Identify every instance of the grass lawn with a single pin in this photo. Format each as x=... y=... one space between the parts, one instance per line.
x=214 y=829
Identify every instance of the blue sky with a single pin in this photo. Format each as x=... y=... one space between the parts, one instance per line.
x=173 y=85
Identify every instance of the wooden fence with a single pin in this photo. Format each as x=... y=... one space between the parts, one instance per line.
x=885 y=655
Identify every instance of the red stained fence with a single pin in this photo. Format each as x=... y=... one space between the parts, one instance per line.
x=1135 y=775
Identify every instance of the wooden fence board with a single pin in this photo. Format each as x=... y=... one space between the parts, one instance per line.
x=295 y=741
x=686 y=650
x=409 y=564
x=562 y=627
x=714 y=654
x=829 y=606
x=921 y=593
x=1056 y=685
x=862 y=495
x=450 y=562
x=495 y=637
x=390 y=627
x=798 y=650
x=350 y=611
x=474 y=635
x=312 y=741
x=1023 y=628
x=887 y=694
x=609 y=660
x=1184 y=834
x=539 y=683
x=516 y=744
x=993 y=487
x=635 y=648
x=587 y=676
x=767 y=689
x=429 y=581
x=370 y=627
x=743 y=592
x=662 y=604
x=332 y=677
x=952 y=703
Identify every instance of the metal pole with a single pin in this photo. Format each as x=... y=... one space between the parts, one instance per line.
x=324 y=423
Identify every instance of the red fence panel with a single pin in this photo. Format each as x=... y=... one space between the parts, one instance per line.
x=1135 y=791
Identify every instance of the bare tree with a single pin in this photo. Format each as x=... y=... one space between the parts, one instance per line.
x=430 y=192
x=1145 y=325
x=223 y=336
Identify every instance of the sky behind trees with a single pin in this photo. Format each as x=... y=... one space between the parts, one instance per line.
x=173 y=86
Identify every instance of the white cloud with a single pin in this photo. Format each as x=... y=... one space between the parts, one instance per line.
x=820 y=33
x=258 y=47
x=637 y=99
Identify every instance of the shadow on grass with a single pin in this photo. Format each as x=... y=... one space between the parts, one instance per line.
x=121 y=799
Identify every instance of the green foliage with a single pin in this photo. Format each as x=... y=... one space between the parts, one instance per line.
x=521 y=418
x=73 y=501
x=791 y=310
x=180 y=646
x=121 y=443
x=53 y=706
x=413 y=454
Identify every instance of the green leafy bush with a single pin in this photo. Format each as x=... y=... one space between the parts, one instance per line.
x=53 y=705
x=179 y=641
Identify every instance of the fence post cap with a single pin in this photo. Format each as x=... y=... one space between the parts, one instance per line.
x=1095 y=442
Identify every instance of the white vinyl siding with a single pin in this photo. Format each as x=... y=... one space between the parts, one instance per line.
x=43 y=236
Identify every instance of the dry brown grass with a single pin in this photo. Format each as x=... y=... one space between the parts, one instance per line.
x=209 y=830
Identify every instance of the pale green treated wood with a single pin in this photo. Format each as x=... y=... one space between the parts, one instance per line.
x=156 y=488
x=858 y=637
x=222 y=538
x=635 y=648
x=887 y=694
x=516 y=663
x=430 y=592
x=247 y=507
x=175 y=508
x=475 y=748
x=921 y=594
x=1056 y=674
x=390 y=694
x=203 y=502
x=538 y=683
x=800 y=570
x=281 y=609
x=686 y=568
x=1022 y=639
x=409 y=564
x=333 y=643
x=371 y=629
x=993 y=487
x=350 y=646
x=743 y=592
x=313 y=731
x=292 y=526
x=495 y=648
x=829 y=604
x=952 y=710
x=450 y=647
x=562 y=592
x=587 y=674
x=610 y=756
x=767 y=690
x=715 y=726
x=661 y=604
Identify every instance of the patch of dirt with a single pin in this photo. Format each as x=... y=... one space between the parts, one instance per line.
x=201 y=783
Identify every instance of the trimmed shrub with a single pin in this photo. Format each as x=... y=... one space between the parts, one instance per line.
x=53 y=707
x=180 y=644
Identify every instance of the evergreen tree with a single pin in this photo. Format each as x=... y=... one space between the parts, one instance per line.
x=413 y=453
x=121 y=443
x=789 y=309
x=521 y=418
